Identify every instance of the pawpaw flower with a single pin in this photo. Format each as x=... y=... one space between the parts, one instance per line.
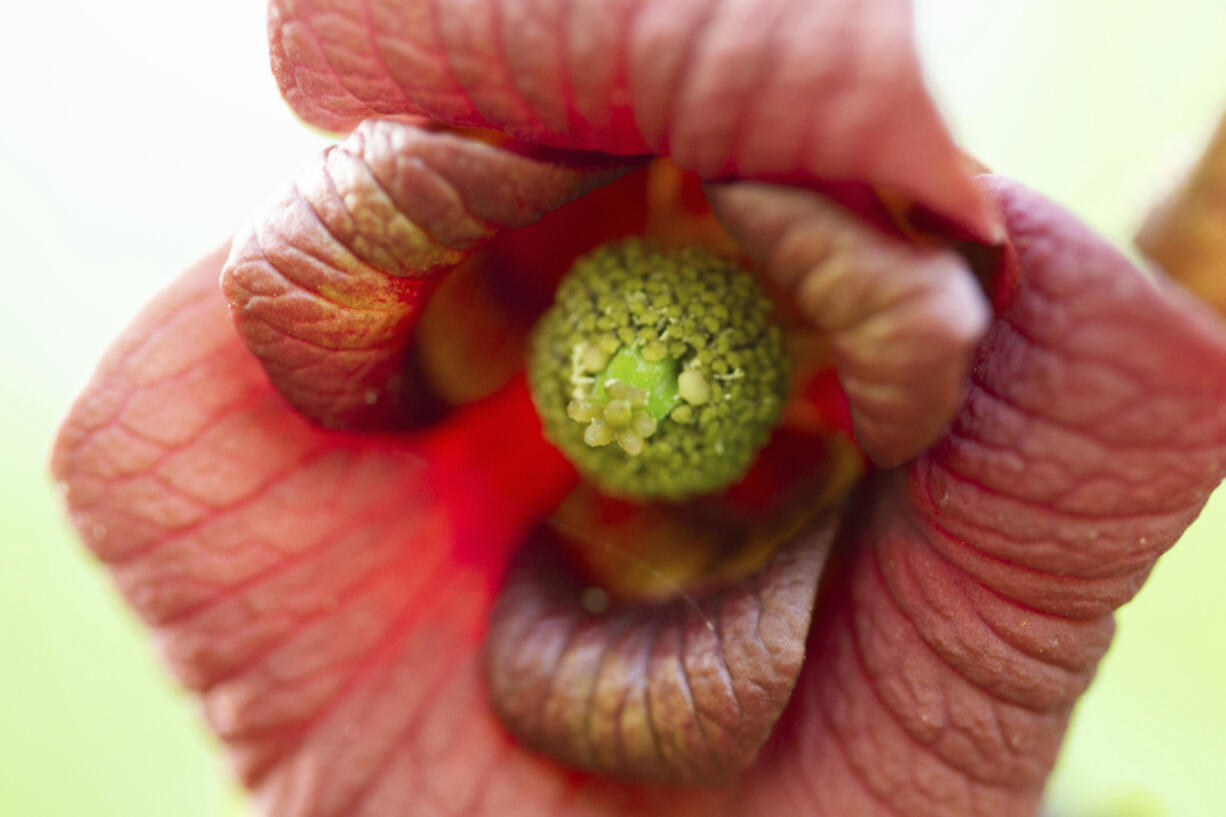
x=329 y=491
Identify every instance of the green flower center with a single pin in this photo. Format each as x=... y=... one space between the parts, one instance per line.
x=658 y=373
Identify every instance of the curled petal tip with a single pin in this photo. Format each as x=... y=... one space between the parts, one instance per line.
x=327 y=285
x=903 y=320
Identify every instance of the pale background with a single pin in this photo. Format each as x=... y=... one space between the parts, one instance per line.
x=137 y=134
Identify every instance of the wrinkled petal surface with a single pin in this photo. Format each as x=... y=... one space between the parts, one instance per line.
x=775 y=90
x=684 y=691
x=325 y=594
x=976 y=599
x=903 y=320
x=327 y=284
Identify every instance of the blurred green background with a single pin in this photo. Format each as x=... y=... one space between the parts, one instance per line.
x=138 y=134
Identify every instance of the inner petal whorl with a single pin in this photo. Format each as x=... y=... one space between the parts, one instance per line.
x=683 y=691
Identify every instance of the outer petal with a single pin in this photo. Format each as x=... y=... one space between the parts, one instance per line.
x=791 y=90
x=324 y=593
x=976 y=599
x=327 y=284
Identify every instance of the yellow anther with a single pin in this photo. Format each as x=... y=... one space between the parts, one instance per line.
x=582 y=410
x=630 y=442
x=598 y=433
x=618 y=413
x=593 y=359
x=693 y=387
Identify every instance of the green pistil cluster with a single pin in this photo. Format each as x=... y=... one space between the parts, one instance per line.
x=658 y=373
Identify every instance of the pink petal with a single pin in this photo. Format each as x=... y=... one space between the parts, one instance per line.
x=776 y=90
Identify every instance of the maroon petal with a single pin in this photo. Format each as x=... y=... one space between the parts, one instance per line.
x=977 y=596
x=327 y=284
x=1099 y=397
x=783 y=90
x=682 y=691
x=903 y=320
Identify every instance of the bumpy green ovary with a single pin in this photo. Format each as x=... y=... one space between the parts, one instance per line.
x=658 y=373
